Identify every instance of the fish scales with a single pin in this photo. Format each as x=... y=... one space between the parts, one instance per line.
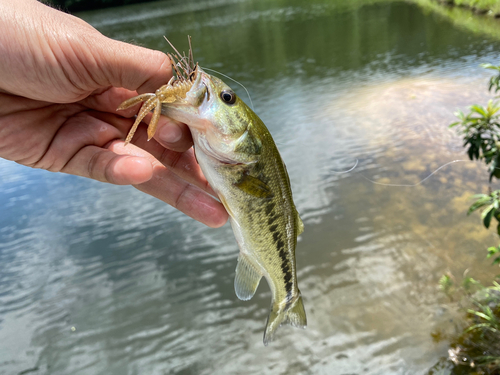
x=240 y=160
x=266 y=223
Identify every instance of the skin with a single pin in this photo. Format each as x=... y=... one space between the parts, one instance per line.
x=61 y=82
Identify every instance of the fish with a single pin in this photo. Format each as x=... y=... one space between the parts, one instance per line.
x=242 y=164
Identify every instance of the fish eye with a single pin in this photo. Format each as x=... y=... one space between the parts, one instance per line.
x=228 y=96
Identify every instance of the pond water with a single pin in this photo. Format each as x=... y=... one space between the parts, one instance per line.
x=102 y=279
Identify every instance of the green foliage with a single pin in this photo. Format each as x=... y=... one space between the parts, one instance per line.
x=494 y=252
x=446 y=284
x=491 y=202
x=476 y=350
x=492 y=7
x=495 y=80
x=481 y=132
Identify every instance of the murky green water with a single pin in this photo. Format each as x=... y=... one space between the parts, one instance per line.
x=101 y=279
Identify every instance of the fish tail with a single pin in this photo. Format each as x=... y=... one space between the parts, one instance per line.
x=294 y=315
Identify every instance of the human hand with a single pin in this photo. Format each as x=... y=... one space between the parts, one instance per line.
x=60 y=84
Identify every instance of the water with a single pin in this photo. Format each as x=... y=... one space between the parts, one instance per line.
x=102 y=279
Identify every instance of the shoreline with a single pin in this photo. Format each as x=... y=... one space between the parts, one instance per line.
x=483 y=7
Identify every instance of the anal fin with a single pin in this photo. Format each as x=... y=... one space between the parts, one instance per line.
x=247 y=278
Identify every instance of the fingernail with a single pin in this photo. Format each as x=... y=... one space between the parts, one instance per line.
x=170 y=133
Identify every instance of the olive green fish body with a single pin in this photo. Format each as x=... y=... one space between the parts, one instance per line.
x=242 y=164
x=265 y=222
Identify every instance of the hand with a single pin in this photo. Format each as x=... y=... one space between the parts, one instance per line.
x=61 y=82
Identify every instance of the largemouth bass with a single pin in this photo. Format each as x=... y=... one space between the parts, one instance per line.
x=242 y=164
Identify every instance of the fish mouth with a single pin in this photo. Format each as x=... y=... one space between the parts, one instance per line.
x=188 y=74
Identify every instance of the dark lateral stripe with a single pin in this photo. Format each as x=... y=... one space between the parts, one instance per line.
x=285 y=266
x=281 y=249
x=270 y=208
x=276 y=236
x=272 y=219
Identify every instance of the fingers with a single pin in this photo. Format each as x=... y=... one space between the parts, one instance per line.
x=171 y=188
x=170 y=134
x=106 y=166
x=173 y=135
x=194 y=202
x=129 y=66
x=183 y=164
x=108 y=101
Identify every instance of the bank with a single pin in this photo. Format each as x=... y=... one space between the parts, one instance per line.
x=489 y=7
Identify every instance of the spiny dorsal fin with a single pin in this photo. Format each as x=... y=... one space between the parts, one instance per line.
x=253 y=186
x=247 y=278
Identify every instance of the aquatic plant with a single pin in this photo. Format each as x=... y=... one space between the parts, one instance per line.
x=476 y=350
x=481 y=131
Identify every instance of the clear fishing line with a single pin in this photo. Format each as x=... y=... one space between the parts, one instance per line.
x=244 y=88
x=402 y=185
x=418 y=183
x=349 y=170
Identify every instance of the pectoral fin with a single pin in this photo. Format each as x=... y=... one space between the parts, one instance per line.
x=253 y=186
x=226 y=206
x=247 y=278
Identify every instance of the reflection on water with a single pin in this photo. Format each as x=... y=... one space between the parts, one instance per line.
x=101 y=279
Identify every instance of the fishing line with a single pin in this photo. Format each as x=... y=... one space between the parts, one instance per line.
x=418 y=183
x=402 y=185
x=349 y=170
x=244 y=88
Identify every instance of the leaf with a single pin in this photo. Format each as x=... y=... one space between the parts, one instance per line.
x=480 y=314
x=470 y=152
x=479 y=109
x=490 y=66
x=480 y=196
x=496 y=261
x=476 y=205
x=482 y=325
x=468 y=282
x=486 y=215
x=492 y=251
x=445 y=283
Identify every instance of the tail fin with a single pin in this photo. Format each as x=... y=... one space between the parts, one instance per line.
x=294 y=315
